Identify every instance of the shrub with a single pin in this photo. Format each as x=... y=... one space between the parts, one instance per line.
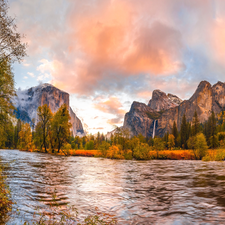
x=104 y=147
x=5 y=202
x=115 y=153
x=128 y=155
x=142 y=152
x=198 y=145
x=66 y=149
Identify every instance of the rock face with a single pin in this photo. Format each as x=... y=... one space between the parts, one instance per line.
x=207 y=98
x=27 y=102
x=160 y=101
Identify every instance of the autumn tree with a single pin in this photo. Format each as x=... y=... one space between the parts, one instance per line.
x=171 y=141
x=44 y=116
x=61 y=126
x=158 y=145
x=25 y=137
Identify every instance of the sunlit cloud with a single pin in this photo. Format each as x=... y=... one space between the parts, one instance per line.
x=122 y=49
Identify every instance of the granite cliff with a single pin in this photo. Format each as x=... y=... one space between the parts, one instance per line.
x=165 y=109
x=27 y=101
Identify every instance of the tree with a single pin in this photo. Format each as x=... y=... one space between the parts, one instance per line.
x=7 y=90
x=195 y=124
x=44 y=118
x=61 y=126
x=141 y=151
x=25 y=137
x=183 y=132
x=11 y=47
x=175 y=133
x=158 y=145
x=171 y=141
x=199 y=145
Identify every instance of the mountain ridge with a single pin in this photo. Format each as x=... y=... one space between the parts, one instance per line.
x=27 y=101
x=205 y=99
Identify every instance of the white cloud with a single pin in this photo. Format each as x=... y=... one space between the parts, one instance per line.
x=31 y=74
x=25 y=77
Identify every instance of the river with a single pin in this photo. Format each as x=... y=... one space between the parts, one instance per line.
x=136 y=192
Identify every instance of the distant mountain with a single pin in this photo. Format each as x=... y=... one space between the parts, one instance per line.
x=27 y=101
x=165 y=109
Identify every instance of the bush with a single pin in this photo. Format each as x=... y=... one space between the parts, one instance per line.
x=128 y=155
x=66 y=149
x=5 y=202
x=104 y=147
x=142 y=152
x=199 y=145
x=115 y=153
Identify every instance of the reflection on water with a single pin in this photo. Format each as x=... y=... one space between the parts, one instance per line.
x=151 y=192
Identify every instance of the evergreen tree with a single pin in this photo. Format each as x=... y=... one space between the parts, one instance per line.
x=183 y=132
x=175 y=133
x=195 y=124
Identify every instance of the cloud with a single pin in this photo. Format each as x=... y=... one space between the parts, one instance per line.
x=25 y=77
x=111 y=47
x=111 y=106
x=31 y=74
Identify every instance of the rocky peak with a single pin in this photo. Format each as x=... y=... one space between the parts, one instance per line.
x=175 y=99
x=27 y=102
x=160 y=101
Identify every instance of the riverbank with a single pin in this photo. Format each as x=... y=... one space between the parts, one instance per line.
x=211 y=155
x=5 y=201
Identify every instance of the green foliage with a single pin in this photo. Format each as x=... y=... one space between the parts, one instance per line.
x=90 y=145
x=213 y=142
x=154 y=115
x=44 y=117
x=11 y=47
x=60 y=127
x=7 y=89
x=104 y=147
x=184 y=132
x=199 y=145
x=171 y=141
x=175 y=133
x=141 y=152
x=66 y=148
x=25 y=136
x=195 y=129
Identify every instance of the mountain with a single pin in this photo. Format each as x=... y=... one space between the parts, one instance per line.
x=27 y=101
x=160 y=101
x=164 y=109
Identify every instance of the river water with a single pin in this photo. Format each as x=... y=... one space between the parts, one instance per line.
x=136 y=192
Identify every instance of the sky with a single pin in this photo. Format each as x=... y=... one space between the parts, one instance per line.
x=108 y=53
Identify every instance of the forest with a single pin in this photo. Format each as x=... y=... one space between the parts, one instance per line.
x=52 y=134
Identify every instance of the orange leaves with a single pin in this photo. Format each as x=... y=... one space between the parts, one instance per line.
x=173 y=155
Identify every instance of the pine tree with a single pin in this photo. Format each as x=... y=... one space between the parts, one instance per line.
x=195 y=124
x=183 y=132
x=175 y=133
